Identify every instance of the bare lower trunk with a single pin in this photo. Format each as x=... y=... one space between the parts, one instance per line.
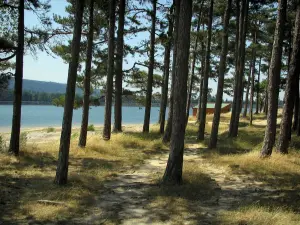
x=14 y=146
x=173 y=172
x=201 y=79
x=201 y=129
x=258 y=88
x=241 y=66
x=247 y=94
x=119 y=68
x=87 y=80
x=274 y=79
x=168 y=131
x=150 y=72
x=252 y=79
x=164 y=95
x=193 y=73
x=296 y=105
x=219 y=98
x=63 y=156
x=110 y=71
x=290 y=91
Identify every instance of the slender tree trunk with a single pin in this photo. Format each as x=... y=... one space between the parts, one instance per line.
x=296 y=105
x=274 y=80
x=241 y=66
x=236 y=54
x=258 y=87
x=150 y=72
x=173 y=172
x=165 y=88
x=201 y=77
x=222 y=69
x=14 y=146
x=110 y=71
x=201 y=129
x=266 y=93
x=253 y=77
x=193 y=72
x=290 y=91
x=87 y=79
x=63 y=156
x=119 y=68
x=168 y=131
x=247 y=93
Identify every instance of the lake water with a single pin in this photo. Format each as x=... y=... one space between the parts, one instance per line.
x=46 y=116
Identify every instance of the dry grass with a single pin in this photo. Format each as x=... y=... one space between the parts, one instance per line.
x=28 y=178
x=257 y=215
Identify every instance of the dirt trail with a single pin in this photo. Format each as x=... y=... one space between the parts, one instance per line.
x=126 y=200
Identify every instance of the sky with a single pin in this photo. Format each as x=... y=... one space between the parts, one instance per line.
x=45 y=67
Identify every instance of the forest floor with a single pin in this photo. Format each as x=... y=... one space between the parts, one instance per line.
x=118 y=182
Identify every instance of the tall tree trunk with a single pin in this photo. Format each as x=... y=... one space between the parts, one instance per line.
x=201 y=77
x=165 y=87
x=247 y=93
x=241 y=67
x=14 y=146
x=173 y=172
x=258 y=87
x=274 y=80
x=296 y=105
x=168 y=131
x=87 y=79
x=292 y=79
x=119 y=67
x=63 y=156
x=193 y=72
x=253 y=77
x=236 y=54
x=222 y=69
x=110 y=70
x=201 y=129
x=150 y=72
x=266 y=93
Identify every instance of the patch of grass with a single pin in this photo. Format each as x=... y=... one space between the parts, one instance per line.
x=91 y=127
x=50 y=129
x=2 y=144
x=23 y=140
x=257 y=215
x=29 y=178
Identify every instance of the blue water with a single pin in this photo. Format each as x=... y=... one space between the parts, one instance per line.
x=45 y=116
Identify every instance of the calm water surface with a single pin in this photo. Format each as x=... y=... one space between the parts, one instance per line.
x=45 y=116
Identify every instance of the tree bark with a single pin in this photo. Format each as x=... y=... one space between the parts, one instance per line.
x=258 y=87
x=150 y=72
x=63 y=156
x=87 y=79
x=274 y=80
x=296 y=105
x=193 y=72
x=241 y=66
x=222 y=69
x=290 y=91
x=247 y=92
x=201 y=129
x=253 y=78
x=173 y=172
x=165 y=88
x=201 y=77
x=110 y=71
x=14 y=146
x=168 y=131
x=119 y=68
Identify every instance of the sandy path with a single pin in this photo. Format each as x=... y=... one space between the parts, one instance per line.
x=126 y=200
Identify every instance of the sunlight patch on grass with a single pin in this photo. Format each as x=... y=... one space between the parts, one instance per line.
x=256 y=215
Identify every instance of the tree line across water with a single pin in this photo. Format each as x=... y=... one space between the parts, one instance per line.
x=249 y=47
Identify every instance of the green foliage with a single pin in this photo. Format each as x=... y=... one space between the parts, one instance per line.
x=91 y=127
x=23 y=139
x=50 y=129
x=2 y=144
